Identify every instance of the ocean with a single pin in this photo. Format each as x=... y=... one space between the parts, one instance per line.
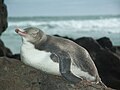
x=71 y=26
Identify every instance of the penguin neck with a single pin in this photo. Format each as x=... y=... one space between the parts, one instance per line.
x=41 y=43
x=42 y=40
x=27 y=44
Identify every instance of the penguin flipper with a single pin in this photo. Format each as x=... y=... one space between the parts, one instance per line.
x=64 y=66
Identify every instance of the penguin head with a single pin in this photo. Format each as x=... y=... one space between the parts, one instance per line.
x=31 y=34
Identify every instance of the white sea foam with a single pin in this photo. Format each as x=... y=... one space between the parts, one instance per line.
x=72 y=27
x=107 y=25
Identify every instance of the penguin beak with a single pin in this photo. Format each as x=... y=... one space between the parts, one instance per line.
x=20 y=32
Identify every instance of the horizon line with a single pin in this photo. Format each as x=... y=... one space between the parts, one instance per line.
x=64 y=15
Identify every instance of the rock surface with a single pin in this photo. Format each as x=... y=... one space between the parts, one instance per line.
x=14 y=75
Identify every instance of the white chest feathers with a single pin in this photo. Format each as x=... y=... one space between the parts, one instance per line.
x=38 y=59
x=41 y=60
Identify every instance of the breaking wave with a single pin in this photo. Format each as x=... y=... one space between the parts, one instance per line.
x=73 y=27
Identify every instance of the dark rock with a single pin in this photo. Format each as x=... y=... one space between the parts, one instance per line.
x=107 y=62
x=106 y=43
x=1 y=48
x=15 y=56
x=109 y=68
x=3 y=17
x=117 y=52
x=89 y=43
x=14 y=75
x=1 y=1
x=4 y=51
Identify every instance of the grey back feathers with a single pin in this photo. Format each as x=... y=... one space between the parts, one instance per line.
x=76 y=53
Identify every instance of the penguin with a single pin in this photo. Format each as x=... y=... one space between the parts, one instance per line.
x=57 y=56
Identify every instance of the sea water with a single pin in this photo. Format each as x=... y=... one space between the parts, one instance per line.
x=71 y=26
